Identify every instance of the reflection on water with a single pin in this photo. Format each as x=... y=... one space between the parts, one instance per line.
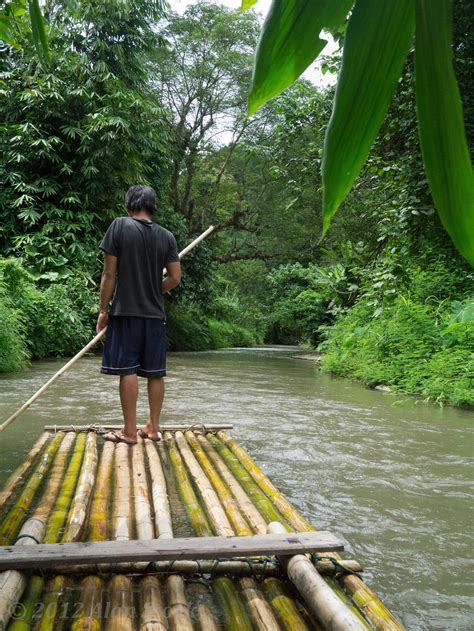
x=390 y=475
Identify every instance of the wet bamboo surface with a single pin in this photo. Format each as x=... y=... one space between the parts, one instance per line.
x=75 y=487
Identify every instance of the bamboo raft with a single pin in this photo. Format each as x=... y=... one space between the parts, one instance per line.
x=181 y=535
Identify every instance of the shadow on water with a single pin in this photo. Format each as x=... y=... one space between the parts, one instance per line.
x=391 y=475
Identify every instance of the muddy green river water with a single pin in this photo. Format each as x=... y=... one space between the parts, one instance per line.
x=392 y=476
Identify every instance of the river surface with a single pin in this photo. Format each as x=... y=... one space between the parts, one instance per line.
x=389 y=474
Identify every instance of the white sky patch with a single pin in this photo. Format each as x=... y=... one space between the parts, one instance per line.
x=313 y=73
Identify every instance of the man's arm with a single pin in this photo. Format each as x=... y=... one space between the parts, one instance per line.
x=173 y=276
x=107 y=286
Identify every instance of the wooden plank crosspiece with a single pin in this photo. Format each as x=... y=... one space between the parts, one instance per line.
x=44 y=556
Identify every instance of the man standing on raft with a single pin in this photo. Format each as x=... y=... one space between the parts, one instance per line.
x=136 y=250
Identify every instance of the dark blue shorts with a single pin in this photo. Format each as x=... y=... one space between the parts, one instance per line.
x=135 y=346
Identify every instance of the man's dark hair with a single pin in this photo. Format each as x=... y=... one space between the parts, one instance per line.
x=140 y=197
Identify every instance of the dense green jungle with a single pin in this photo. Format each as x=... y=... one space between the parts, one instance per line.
x=138 y=94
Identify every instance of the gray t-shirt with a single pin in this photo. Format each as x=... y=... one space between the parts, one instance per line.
x=143 y=249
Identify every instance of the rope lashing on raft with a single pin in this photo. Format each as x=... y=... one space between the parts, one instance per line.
x=337 y=564
x=100 y=429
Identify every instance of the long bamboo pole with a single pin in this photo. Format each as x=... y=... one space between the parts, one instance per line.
x=179 y=617
x=19 y=474
x=99 y=523
x=235 y=615
x=364 y=598
x=86 y=348
x=143 y=524
x=122 y=522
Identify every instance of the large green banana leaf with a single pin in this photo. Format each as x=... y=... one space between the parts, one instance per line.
x=377 y=42
x=289 y=42
x=38 y=31
x=441 y=125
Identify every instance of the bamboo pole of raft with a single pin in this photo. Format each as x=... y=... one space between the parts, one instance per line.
x=50 y=618
x=83 y=492
x=288 y=511
x=235 y=615
x=98 y=521
x=86 y=348
x=179 y=617
x=196 y=515
x=18 y=475
x=143 y=523
x=235 y=567
x=122 y=509
x=13 y=582
x=90 y=599
x=254 y=518
x=206 y=620
x=364 y=598
x=323 y=603
x=214 y=510
x=89 y=613
x=17 y=513
x=162 y=513
x=258 y=497
x=178 y=610
x=237 y=520
x=260 y=611
x=120 y=612
x=152 y=612
x=261 y=614
x=284 y=606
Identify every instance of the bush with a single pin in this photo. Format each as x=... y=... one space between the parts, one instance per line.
x=57 y=320
x=227 y=335
x=186 y=329
x=13 y=351
x=414 y=347
x=299 y=297
x=189 y=330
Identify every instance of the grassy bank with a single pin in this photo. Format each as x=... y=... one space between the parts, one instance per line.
x=424 y=349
